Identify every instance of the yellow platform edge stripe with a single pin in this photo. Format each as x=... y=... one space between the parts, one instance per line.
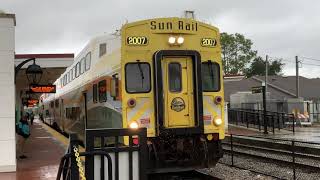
x=61 y=138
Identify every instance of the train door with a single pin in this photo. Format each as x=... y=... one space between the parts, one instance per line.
x=178 y=92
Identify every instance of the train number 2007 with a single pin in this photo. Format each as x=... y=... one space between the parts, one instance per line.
x=208 y=42
x=137 y=40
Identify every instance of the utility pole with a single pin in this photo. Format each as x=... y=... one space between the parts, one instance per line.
x=265 y=123
x=266 y=76
x=297 y=77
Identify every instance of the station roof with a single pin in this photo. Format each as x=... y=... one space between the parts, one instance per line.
x=4 y=15
x=44 y=56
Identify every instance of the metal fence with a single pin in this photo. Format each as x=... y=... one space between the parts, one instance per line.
x=252 y=118
x=279 y=158
x=110 y=154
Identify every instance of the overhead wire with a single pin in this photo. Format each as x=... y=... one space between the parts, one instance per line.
x=303 y=63
x=310 y=59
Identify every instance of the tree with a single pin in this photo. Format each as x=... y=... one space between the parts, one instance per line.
x=258 y=67
x=236 y=52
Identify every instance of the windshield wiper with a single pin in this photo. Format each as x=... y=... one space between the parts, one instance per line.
x=141 y=72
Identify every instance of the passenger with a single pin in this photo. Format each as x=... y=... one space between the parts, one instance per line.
x=31 y=118
x=23 y=130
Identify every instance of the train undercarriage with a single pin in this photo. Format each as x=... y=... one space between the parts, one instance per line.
x=179 y=153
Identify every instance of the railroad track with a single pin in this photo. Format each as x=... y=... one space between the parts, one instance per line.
x=278 y=156
x=186 y=175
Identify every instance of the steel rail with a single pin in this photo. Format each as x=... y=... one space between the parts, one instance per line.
x=273 y=160
x=280 y=152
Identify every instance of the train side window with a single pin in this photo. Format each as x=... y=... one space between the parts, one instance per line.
x=51 y=104
x=69 y=77
x=77 y=69
x=137 y=77
x=210 y=72
x=73 y=73
x=82 y=65
x=114 y=86
x=102 y=91
x=102 y=49
x=175 y=77
x=94 y=93
x=88 y=61
x=64 y=79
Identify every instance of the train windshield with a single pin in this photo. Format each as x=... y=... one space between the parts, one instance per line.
x=137 y=77
x=210 y=76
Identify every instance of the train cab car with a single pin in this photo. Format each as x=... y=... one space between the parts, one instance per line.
x=172 y=85
x=160 y=74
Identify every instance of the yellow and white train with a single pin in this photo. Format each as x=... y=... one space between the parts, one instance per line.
x=163 y=74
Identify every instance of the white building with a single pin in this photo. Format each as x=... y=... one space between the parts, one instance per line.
x=7 y=93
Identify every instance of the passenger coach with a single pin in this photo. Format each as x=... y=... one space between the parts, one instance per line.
x=162 y=74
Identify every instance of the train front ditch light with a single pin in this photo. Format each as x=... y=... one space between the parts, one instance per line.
x=217 y=121
x=134 y=125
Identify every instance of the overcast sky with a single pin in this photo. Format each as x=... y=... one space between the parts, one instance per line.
x=283 y=28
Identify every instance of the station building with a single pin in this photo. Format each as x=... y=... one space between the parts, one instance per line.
x=13 y=88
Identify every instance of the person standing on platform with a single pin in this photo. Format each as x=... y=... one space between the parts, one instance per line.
x=31 y=118
x=23 y=130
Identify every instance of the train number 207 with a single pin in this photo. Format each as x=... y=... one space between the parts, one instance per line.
x=137 y=40
x=208 y=42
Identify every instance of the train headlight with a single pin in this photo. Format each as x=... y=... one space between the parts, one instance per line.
x=180 y=40
x=217 y=121
x=134 y=125
x=172 y=40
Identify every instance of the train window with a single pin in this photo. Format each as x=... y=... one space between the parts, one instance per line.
x=70 y=76
x=137 y=77
x=175 y=77
x=51 y=104
x=88 y=61
x=68 y=113
x=77 y=69
x=102 y=91
x=102 y=49
x=210 y=76
x=94 y=93
x=57 y=103
x=65 y=79
x=115 y=86
x=82 y=65
x=73 y=73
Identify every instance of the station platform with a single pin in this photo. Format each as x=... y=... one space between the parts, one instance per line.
x=44 y=149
